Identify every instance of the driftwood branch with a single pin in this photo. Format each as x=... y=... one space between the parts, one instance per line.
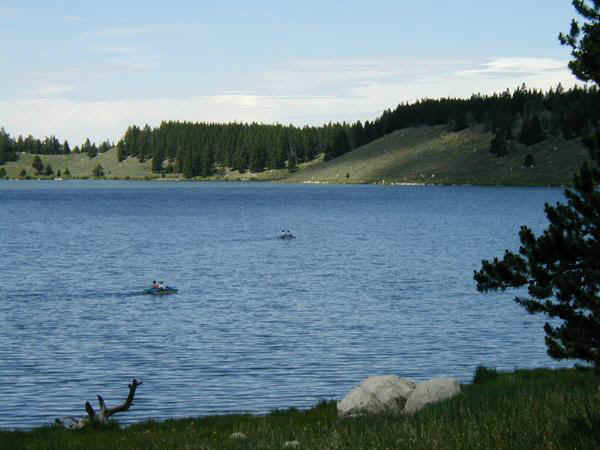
x=104 y=412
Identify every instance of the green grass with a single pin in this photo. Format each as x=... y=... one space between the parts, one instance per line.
x=80 y=165
x=524 y=409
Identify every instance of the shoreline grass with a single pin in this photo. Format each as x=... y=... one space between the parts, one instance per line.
x=523 y=409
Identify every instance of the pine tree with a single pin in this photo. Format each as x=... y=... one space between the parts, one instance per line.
x=532 y=131
x=98 y=171
x=528 y=162
x=561 y=268
x=584 y=41
x=258 y=160
x=499 y=146
x=157 y=162
x=37 y=164
x=188 y=165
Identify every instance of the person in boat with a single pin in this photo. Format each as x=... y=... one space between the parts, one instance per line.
x=162 y=286
x=154 y=284
x=286 y=234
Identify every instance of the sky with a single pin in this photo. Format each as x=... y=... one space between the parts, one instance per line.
x=78 y=69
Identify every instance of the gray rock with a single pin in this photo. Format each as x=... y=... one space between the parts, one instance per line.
x=291 y=444
x=431 y=391
x=386 y=393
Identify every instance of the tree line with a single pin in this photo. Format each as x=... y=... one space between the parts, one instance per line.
x=196 y=149
x=10 y=148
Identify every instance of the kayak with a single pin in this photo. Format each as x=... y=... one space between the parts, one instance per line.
x=157 y=291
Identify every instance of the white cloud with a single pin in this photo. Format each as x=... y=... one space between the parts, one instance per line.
x=301 y=92
x=509 y=67
x=324 y=77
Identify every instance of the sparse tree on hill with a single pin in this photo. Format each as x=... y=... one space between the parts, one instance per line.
x=157 y=162
x=48 y=172
x=528 y=160
x=98 y=171
x=7 y=148
x=499 y=145
x=532 y=131
x=37 y=164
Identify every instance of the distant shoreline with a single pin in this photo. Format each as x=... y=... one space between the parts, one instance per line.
x=279 y=181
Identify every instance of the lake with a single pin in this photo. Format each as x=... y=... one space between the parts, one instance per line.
x=377 y=281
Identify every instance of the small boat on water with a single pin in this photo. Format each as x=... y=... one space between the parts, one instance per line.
x=167 y=290
x=286 y=235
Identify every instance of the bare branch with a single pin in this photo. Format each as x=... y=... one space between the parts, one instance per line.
x=104 y=412
x=124 y=406
x=90 y=411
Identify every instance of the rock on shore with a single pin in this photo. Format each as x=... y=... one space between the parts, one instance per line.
x=391 y=393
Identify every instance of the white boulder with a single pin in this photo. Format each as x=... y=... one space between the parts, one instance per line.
x=431 y=391
x=386 y=393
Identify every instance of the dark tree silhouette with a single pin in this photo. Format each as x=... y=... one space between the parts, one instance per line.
x=561 y=268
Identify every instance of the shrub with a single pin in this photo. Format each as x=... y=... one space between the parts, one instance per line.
x=484 y=374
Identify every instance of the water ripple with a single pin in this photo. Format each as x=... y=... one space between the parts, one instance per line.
x=377 y=281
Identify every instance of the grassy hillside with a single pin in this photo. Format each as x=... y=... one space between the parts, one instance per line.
x=524 y=409
x=80 y=165
x=434 y=155
x=411 y=155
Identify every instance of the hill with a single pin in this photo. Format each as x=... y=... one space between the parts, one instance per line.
x=425 y=154
x=81 y=165
x=431 y=154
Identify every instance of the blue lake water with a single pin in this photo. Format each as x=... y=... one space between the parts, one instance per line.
x=378 y=281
